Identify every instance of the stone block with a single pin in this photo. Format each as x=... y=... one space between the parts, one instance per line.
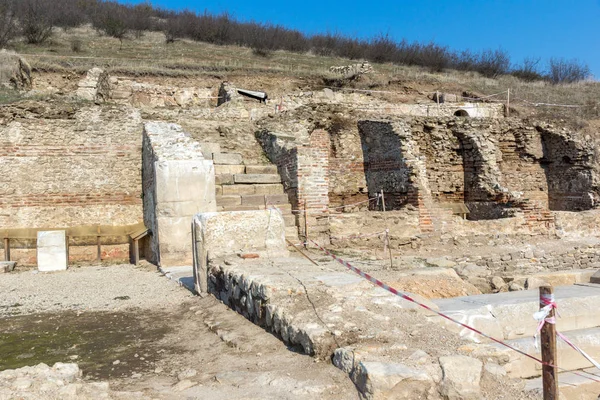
x=268 y=188
x=462 y=376
x=261 y=169
x=7 y=266
x=51 y=251
x=227 y=201
x=224 y=179
x=227 y=158
x=229 y=169
x=210 y=148
x=237 y=190
x=257 y=178
x=264 y=199
x=228 y=233
x=595 y=278
x=185 y=180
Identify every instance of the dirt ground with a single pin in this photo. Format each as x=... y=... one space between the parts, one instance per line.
x=142 y=333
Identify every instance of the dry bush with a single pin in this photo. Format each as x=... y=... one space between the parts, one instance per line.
x=567 y=71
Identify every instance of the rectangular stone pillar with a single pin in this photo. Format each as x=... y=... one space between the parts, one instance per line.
x=51 y=251
x=178 y=183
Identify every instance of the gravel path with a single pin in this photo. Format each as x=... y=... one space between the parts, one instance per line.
x=111 y=288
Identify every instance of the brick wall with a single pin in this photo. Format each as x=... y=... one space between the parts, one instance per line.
x=78 y=168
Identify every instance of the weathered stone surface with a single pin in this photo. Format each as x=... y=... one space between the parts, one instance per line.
x=378 y=380
x=441 y=262
x=461 y=377
x=501 y=315
x=51 y=251
x=256 y=178
x=95 y=86
x=261 y=169
x=178 y=183
x=227 y=158
x=15 y=70
x=7 y=266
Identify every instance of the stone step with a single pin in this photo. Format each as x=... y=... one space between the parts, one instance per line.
x=261 y=169
x=208 y=148
x=227 y=158
x=230 y=169
x=507 y=315
x=570 y=385
x=229 y=201
x=285 y=209
x=252 y=189
x=291 y=234
x=256 y=178
x=223 y=179
x=258 y=199
x=520 y=366
x=289 y=219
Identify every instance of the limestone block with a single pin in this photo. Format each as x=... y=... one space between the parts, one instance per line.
x=257 y=178
x=51 y=251
x=185 y=180
x=236 y=190
x=261 y=169
x=14 y=70
x=229 y=169
x=95 y=86
x=7 y=266
x=461 y=377
x=228 y=233
x=227 y=158
x=381 y=380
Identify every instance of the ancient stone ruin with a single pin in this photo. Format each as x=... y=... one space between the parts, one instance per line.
x=462 y=208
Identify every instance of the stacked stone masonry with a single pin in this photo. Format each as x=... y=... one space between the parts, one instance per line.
x=65 y=167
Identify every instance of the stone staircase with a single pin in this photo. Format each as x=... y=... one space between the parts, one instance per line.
x=241 y=187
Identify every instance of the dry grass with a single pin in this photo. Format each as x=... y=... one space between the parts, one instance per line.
x=151 y=56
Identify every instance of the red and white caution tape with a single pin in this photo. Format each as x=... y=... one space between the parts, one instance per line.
x=407 y=297
x=335 y=208
x=352 y=237
x=542 y=318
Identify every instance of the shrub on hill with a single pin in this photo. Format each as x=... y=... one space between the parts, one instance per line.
x=36 y=18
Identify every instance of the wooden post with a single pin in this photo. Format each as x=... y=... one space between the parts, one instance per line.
x=548 y=345
x=99 y=245
x=382 y=200
x=389 y=246
x=6 y=249
x=508 y=102
x=305 y=226
x=67 y=249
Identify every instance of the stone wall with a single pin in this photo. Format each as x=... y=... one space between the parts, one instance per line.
x=178 y=183
x=64 y=166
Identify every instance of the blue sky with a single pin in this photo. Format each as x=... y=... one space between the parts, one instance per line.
x=537 y=28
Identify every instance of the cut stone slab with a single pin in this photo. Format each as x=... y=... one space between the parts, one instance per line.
x=570 y=385
x=210 y=148
x=237 y=190
x=261 y=169
x=227 y=158
x=268 y=188
x=257 y=178
x=7 y=266
x=264 y=199
x=227 y=201
x=224 y=179
x=51 y=251
x=508 y=315
x=229 y=169
x=461 y=377
x=595 y=278
x=520 y=366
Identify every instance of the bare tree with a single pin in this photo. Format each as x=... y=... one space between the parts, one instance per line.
x=36 y=20
x=561 y=70
x=8 y=22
